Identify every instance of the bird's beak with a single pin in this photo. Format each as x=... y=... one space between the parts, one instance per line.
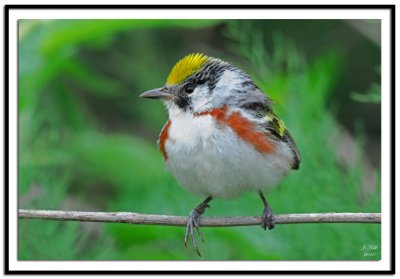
x=159 y=93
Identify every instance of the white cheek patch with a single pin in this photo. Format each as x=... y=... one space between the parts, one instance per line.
x=201 y=98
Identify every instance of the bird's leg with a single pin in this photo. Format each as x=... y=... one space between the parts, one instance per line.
x=268 y=218
x=193 y=222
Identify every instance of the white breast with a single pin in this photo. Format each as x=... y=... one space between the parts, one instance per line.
x=208 y=159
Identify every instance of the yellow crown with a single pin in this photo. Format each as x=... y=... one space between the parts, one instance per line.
x=186 y=67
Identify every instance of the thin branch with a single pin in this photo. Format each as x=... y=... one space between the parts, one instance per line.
x=165 y=220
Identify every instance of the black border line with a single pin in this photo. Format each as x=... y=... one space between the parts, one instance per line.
x=286 y=7
x=393 y=136
x=6 y=143
x=7 y=9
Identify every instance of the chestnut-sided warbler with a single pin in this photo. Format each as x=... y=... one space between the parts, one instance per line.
x=222 y=137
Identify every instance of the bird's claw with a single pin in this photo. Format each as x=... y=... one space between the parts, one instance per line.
x=193 y=222
x=267 y=219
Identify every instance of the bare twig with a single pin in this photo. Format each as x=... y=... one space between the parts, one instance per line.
x=148 y=219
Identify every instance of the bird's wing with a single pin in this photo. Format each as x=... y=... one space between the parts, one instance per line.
x=278 y=129
x=269 y=122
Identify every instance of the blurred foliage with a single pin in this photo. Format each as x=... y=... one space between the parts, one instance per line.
x=373 y=95
x=87 y=142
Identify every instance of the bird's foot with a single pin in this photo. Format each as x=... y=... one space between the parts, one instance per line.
x=193 y=222
x=268 y=218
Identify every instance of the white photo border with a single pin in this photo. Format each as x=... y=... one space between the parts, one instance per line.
x=13 y=13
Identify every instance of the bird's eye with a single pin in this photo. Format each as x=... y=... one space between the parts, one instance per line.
x=189 y=88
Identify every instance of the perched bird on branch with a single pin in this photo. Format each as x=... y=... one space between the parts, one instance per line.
x=222 y=137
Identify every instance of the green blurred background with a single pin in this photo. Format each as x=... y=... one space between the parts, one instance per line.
x=87 y=142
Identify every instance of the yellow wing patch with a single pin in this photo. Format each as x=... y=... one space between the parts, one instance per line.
x=185 y=67
x=276 y=124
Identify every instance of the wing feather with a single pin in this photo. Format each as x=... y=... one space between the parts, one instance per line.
x=260 y=107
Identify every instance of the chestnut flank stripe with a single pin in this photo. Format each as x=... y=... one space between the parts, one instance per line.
x=163 y=138
x=246 y=130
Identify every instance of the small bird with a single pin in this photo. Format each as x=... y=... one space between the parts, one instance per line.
x=222 y=137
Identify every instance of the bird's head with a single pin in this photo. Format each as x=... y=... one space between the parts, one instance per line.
x=199 y=83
